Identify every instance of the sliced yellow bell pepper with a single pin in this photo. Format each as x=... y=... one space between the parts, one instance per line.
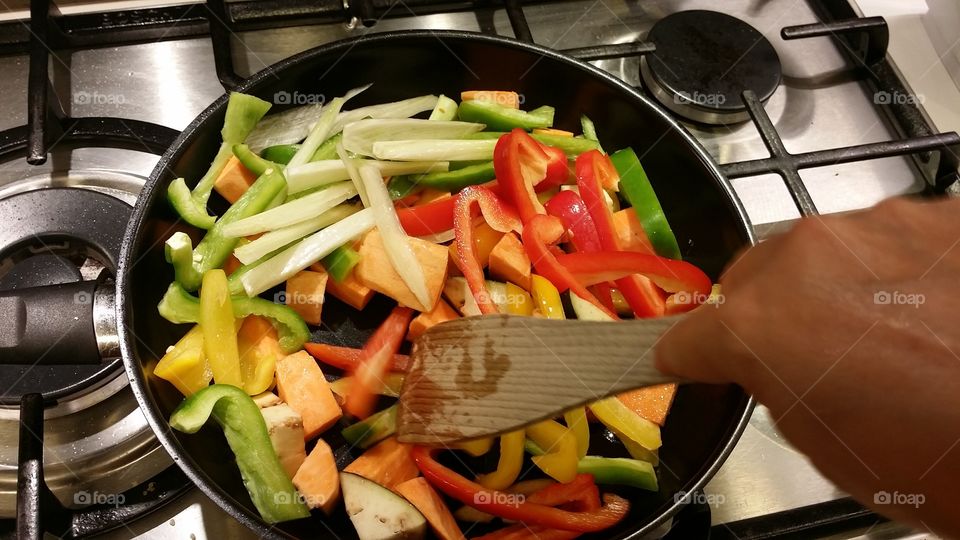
x=625 y=423
x=576 y=420
x=560 y=460
x=476 y=447
x=185 y=365
x=219 y=332
x=546 y=298
x=511 y=461
x=518 y=301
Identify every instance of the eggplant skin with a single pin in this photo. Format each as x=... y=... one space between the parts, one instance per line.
x=378 y=513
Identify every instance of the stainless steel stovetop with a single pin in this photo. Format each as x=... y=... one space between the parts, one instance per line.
x=818 y=105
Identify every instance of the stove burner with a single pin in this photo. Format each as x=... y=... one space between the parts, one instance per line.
x=55 y=237
x=703 y=63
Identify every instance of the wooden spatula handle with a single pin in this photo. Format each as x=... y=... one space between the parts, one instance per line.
x=523 y=368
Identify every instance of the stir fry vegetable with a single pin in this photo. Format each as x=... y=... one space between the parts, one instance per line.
x=483 y=207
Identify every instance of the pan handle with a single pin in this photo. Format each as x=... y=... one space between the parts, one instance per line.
x=68 y=323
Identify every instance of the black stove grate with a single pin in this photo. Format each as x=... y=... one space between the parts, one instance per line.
x=863 y=40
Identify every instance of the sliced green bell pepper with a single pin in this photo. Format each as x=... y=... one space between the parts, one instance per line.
x=589 y=130
x=280 y=153
x=610 y=471
x=270 y=489
x=178 y=251
x=214 y=249
x=619 y=471
x=373 y=429
x=340 y=262
x=571 y=146
x=243 y=113
x=636 y=187
x=178 y=306
x=499 y=118
x=328 y=149
x=249 y=159
x=403 y=185
x=458 y=179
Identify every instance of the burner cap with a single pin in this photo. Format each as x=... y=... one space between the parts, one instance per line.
x=53 y=237
x=703 y=63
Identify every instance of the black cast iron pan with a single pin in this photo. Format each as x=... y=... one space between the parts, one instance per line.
x=710 y=225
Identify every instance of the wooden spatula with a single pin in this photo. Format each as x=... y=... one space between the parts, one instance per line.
x=481 y=376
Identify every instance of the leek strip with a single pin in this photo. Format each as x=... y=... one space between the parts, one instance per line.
x=329 y=171
x=292 y=212
x=435 y=150
x=404 y=108
x=359 y=136
x=276 y=239
x=395 y=241
x=311 y=249
x=323 y=128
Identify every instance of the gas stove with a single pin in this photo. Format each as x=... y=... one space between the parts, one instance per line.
x=821 y=106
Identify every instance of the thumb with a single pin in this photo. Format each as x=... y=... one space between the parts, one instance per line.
x=697 y=348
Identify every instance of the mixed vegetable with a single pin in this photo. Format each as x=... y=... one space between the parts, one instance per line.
x=479 y=208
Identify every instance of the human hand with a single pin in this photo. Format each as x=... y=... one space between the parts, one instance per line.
x=847 y=329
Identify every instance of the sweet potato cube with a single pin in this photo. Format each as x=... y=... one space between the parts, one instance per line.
x=509 y=261
x=375 y=270
x=304 y=294
x=442 y=312
x=233 y=180
x=318 y=479
x=301 y=384
x=349 y=291
x=388 y=463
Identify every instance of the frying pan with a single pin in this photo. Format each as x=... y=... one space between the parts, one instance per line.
x=707 y=218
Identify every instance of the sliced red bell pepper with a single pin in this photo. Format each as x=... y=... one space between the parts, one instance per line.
x=558 y=170
x=377 y=356
x=594 y=170
x=520 y=163
x=431 y=218
x=576 y=491
x=669 y=274
x=569 y=207
x=581 y=495
x=348 y=358
x=499 y=216
x=541 y=232
x=503 y=505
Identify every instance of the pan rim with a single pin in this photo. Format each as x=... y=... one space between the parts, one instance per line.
x=148 y=198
